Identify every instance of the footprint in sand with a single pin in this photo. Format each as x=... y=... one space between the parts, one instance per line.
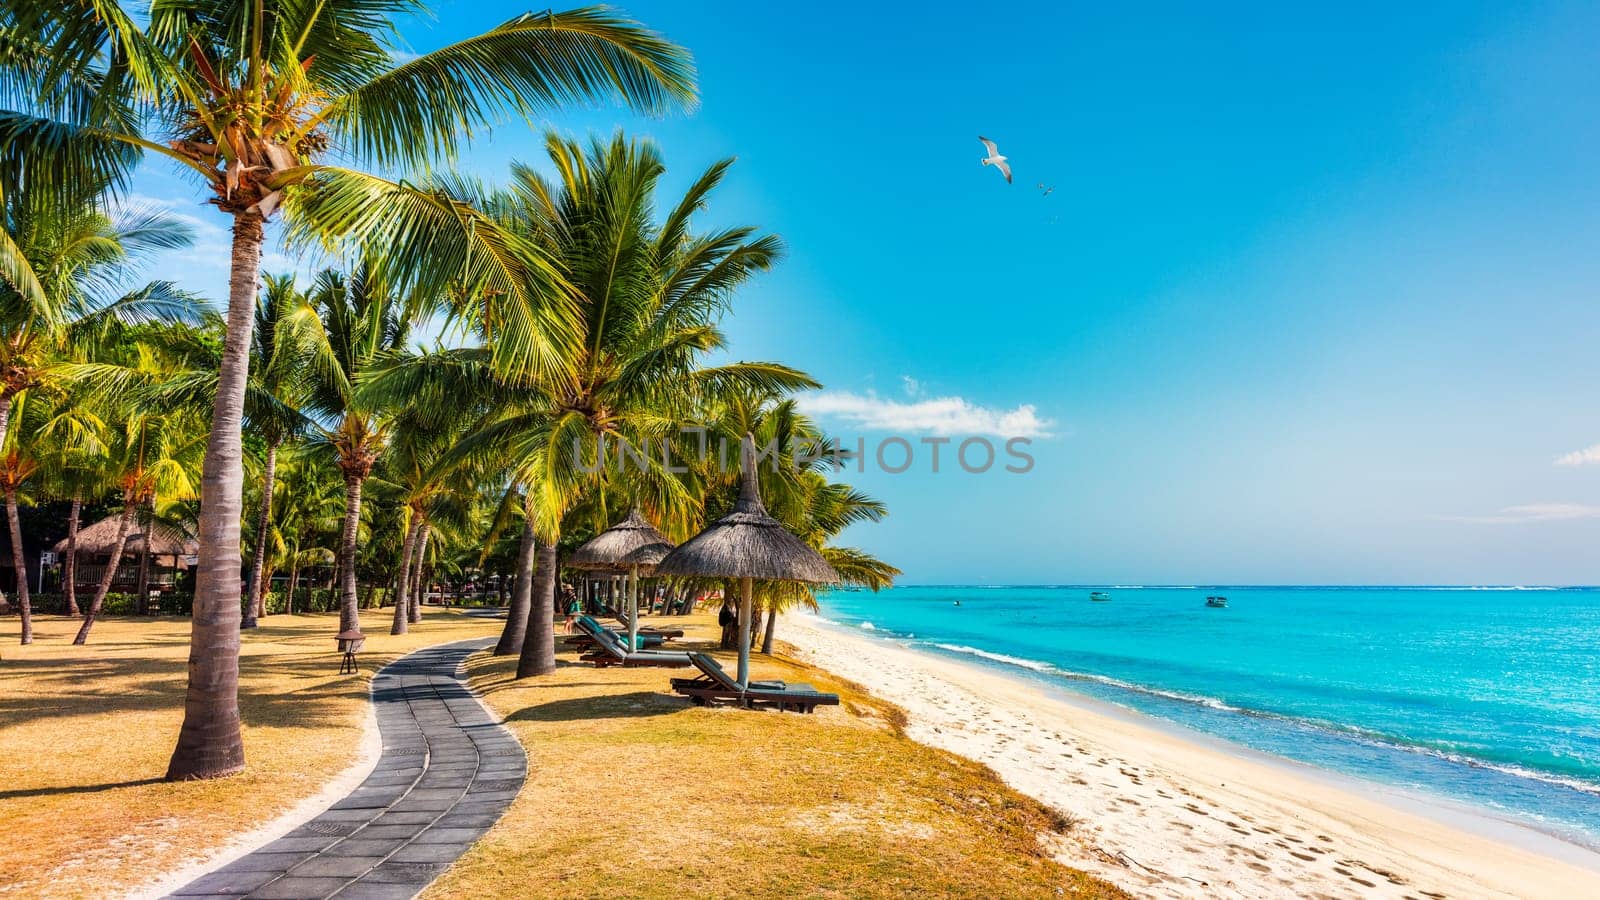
x=1305 y=856
x=1259 y=867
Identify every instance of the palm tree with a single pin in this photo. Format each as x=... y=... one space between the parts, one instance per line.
x=73 y=465
x=649 y=295
x=307 y=514
x=253 y=98
x=278 y=354
x=16 y=468
x=363 y=323
x=152 y=453
x=62 y=268
x=796 y=493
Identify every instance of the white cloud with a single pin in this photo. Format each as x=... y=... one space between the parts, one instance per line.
x=1584 y=457
x=1532 y=512
x=912 y=386
x=934 y=415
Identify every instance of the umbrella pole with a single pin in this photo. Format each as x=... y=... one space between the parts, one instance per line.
x=746 y=600
x=633 y=608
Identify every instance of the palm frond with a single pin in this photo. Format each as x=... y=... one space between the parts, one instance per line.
x=414 y=113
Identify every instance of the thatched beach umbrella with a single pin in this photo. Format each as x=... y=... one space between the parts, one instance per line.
x=633 y=545
x=748 y=544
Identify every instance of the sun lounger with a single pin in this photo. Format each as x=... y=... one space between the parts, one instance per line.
x=610 y=650
x=583 y=640
x=716 y=684
x=666 y=633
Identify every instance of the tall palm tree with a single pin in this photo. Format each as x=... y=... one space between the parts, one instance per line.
x=152 y=453
x=63 y=269
x=363 y=323
x=73 y=465
x=423 y=432
x=16 y=469
x=278 y=355
x=649 y=295
x=797 y=493
x=256 y=98
x=307 y=513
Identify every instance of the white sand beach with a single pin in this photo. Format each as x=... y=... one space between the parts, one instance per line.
x=1166 y=816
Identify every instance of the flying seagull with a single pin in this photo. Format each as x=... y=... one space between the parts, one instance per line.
x=1047 y=190
x=995 y=159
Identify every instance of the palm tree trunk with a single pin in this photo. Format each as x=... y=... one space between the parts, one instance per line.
x=142 y=603
x=20 y=562
x=772 y=626
x=538 y=655
x=71 y=568
x=349 y=615
x=521 y=596
x=109 y=576
x=209 y=744
x=756 y=615
x=6 y=397
x=255 y=608
x=294 y=581
x=419 y=585
x=402 y=583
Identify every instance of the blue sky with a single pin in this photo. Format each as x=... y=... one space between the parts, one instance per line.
x=1313 y=300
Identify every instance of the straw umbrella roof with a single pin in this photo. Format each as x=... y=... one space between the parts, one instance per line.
x=748 y=542
x=631 y=542
x=100 y=539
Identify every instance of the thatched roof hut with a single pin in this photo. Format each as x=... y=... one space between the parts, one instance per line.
x=100 y=539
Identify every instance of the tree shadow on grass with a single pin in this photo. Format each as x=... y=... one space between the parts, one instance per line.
x=304 y=692
x=636 y=705
x=77 y=789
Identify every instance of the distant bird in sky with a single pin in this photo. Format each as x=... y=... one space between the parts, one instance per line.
x=1047 y=190
x=995 y=159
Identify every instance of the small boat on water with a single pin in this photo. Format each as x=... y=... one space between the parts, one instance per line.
x=1099 y=596
x=1217 y=602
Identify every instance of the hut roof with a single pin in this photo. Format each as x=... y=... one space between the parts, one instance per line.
x=99 y=539
x=631 y=542
x=748 y=542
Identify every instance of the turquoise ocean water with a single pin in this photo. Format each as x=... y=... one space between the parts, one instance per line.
x=1489 y=696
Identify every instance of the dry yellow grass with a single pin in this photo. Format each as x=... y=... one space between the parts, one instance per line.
x=85 y=733
x=633 y=793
